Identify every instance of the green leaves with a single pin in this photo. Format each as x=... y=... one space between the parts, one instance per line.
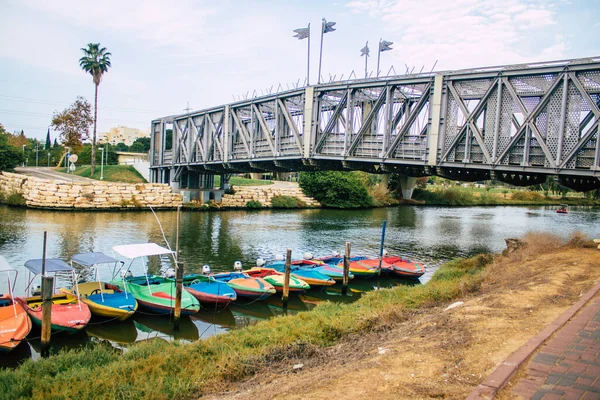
x=336 y=189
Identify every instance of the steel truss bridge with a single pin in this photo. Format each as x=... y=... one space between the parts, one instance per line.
x=516 y=124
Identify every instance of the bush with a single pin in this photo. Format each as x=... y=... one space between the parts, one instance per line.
x=287 y=202
x=336 y=189
x=527 y=196
x=14 y=199
x=254 y=205
x=454 y=196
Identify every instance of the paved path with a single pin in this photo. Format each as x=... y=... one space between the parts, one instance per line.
x=561 y=362
x=50 y=173
x=568 y=365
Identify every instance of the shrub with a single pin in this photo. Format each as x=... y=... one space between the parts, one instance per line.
x=15 y=199
x=453 y=196
x=336 y=189
x=254 y=205
x=527 y=196
x=287 y=202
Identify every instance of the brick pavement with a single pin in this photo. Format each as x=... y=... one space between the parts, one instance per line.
x=560 y=362
x=567 y=366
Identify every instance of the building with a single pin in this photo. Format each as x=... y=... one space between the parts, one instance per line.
x=122 y=134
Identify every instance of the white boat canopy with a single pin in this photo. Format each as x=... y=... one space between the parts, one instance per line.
x=52 y=265
x=89 y=259
x=141 y=250
x=4 y=264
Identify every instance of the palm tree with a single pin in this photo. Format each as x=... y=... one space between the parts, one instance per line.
x=96 y=62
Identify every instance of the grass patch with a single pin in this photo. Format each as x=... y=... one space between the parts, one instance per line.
x=239 y=181
x=254 y=205
x=111 y=173
x=161 y=370
x=12 y=199
x=287 y=202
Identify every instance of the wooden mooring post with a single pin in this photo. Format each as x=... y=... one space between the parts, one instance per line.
x=178 y=293
x=47 y=289
x=47 y=286
x=346 y=269
x=286 y=281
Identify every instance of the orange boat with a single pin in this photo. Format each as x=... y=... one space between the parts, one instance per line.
x=404 y=267
x=14 y=321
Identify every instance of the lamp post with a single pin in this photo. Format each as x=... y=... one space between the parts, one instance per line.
x=48 y=160
x=23 y=155
x=36 y=155
x=102 y=163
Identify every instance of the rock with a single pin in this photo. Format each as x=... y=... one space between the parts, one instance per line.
x=454 y=305
x=297 y=367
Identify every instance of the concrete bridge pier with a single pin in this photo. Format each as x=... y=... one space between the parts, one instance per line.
x=407 y=185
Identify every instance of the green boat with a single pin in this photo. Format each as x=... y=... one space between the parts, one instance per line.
x=154 y=294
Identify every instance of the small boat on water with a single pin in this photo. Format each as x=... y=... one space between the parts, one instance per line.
x=310 y=275
x=562 y=209
x=361 y=267
x=208 y=290
x=14 y=321
x=405 y=268
x=246 y=286
x=277 y=279
x=69 y=314
x=154 y=294
x=104 y=299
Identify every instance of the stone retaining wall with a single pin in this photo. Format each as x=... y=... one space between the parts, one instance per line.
x=43 y=193
x=264 y=194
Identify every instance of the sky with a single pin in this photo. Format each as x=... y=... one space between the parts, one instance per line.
x=168 y=56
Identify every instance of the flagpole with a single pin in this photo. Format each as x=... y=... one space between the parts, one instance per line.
x=366 y=58
x=378 y=56
x=308 y=58
x=321 y=50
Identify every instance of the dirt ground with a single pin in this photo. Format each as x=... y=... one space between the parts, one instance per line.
x=438 y=353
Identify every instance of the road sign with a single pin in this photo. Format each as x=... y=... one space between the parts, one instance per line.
x=71 y=167
x=73 y=158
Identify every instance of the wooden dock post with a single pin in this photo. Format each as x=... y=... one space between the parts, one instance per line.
x=47 y=287
x=286 y=282
x=346 y=269
x=178 y=293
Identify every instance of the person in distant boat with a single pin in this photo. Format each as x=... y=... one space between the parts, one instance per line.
x=562 y=209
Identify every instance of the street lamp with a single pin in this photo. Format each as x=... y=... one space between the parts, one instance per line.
x=23 y=155
x=36 y=155
x=102 y=163
x=48 y=160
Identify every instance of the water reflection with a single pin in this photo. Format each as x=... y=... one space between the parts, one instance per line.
x=431 y=235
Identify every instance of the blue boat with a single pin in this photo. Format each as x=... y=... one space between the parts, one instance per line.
x=208 y=290
x=104 y=299
x=306 y=271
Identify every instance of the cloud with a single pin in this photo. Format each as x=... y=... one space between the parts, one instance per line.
x=467 y=33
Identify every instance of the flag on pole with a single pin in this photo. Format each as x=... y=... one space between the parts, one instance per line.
x=302 y=33
x=328 y=26
x=365 y=50
x=384 y=45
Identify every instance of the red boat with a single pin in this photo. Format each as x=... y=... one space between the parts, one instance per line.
x=404 y=267
x=69 y=314
x=562 y=210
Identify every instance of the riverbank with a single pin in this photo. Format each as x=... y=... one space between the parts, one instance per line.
x=398 y=343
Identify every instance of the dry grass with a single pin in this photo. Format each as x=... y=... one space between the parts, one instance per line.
x=430 y=353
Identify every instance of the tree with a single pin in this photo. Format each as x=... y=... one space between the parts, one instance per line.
x=48 y=142
x=336 y=189
x=144 y=142
x=121 y=147
x=74 y=123
x=137 y=147
x=96 y=62
x=10 y=156
x=55 y=144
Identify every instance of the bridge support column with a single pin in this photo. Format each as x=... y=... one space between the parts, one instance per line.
x=435 y=113
x=407 y=185
x=385 y=180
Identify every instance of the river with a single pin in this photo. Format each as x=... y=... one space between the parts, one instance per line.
x=431 y=235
